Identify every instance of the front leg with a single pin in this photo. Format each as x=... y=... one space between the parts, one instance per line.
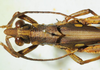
x=28 y=19
x=13 y=52
x=9 y=25
x=21 y=16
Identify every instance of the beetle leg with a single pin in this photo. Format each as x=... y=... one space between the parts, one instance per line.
x=22 y=52
x=13 y=52
x=88 y=21
x=10 y=49
x=83 y=12
x=19 y=15
x=27 y=50
x=79 y=13
x=28 y=19
x=9 y=25
x=89 y=50
x=74 y=57
x=91 y=20
x=4 y=26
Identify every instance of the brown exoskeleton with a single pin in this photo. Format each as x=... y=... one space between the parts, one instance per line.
x=71 y=35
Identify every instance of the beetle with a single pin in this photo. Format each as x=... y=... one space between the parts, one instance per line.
x=71 y=34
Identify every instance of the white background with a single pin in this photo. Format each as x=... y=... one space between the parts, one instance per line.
x=9 y=7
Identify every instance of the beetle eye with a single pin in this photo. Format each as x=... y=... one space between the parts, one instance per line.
x=19 y=41
x=19 y=23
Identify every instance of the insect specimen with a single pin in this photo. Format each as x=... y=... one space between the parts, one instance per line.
x=72 y=34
